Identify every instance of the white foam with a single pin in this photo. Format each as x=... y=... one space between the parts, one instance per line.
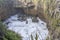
x=26 y=30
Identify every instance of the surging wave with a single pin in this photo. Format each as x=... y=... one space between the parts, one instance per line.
x=28 y=28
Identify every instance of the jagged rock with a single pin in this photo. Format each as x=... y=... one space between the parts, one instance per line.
x=23 y=18
x=26 y=22
x=34 y=19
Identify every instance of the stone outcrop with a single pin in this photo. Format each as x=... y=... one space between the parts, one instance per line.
x=28 y=6
x=25 y=3
x=5 y=8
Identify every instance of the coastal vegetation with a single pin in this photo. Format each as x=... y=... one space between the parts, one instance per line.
x=6 y=34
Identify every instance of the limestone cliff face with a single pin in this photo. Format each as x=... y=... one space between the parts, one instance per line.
x=24 y=3
x=39 y=5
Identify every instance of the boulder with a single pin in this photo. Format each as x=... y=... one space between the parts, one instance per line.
x=34 y=19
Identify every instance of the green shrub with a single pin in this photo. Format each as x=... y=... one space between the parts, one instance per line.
x=8 y=34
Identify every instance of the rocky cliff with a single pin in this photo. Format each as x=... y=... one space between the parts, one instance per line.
x=48 y=10
x=29 y=6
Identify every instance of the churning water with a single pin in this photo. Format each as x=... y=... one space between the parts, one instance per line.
x=28 y=28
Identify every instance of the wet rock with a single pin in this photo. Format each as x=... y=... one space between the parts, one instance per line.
x=7 y=23
x=35 y=19
x=22 y=18
x=26 y=22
